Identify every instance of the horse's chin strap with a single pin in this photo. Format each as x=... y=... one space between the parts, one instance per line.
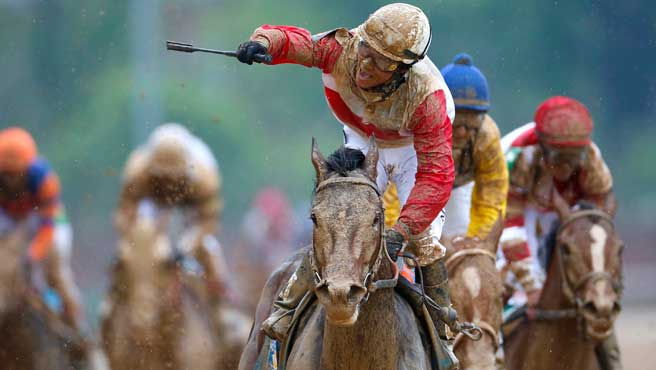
x=369 y=282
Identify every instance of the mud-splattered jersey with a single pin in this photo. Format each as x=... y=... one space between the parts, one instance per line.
x=419 y=112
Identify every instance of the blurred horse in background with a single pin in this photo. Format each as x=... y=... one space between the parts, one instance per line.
x=580 y=298
x=269 y=233
x=476 y=289
x=34 y=338
x=159 y=315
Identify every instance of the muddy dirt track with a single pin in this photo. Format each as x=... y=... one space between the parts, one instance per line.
x=636 y=329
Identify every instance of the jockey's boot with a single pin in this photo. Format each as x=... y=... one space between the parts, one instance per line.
x=277 y=325
x=608 y=354
x=436 y=284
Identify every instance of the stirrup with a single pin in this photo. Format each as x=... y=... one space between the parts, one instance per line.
x=277 y=327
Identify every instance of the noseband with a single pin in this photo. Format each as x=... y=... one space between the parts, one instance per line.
x=370 y=282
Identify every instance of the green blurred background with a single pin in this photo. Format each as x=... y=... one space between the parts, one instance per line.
x=90 y=79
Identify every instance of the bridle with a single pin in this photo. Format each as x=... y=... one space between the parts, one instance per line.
x=370 y=283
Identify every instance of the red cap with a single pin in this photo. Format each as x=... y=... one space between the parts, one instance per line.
x=563 y=121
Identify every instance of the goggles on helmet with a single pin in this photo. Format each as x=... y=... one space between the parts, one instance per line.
x=573 y=156
x=381 y=63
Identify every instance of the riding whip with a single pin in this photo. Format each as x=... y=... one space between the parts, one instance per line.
x=189 y=48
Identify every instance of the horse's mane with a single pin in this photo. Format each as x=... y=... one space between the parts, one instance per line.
x=345 y=160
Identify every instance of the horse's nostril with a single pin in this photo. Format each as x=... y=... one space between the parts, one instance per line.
x=345 y=293
x=356 y=293
x=322 y=292
x=616 y=308
x=590 y=308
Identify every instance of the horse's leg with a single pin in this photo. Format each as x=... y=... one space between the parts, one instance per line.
x=269 y=293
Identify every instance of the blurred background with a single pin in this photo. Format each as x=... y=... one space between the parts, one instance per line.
x=91 y=79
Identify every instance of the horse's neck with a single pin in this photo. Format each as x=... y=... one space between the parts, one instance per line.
x=553 y=296
x=561 y=337
x=371 y=343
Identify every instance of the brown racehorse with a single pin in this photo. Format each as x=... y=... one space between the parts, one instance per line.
x=476 y=289
x=580 y=298
x=357 y=323
x=159 y=317
x=29 y=341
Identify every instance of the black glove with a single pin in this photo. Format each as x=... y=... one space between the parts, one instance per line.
x=247 y=50
x=394 y=242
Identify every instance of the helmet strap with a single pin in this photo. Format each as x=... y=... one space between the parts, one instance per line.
x=388 y=88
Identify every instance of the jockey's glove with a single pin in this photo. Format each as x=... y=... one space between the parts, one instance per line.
x=247 y=51
x=394 y=242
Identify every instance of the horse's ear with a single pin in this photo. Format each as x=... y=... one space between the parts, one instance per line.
x=319 y=162
x=371 y=159
x=559 y=203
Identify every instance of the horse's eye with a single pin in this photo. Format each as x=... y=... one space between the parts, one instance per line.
x=313 y=217
x=376 y=220
x=566 y=249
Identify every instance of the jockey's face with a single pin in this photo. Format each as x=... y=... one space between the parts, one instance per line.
x=373 y=69
x=12 y=181
x=465 y=126
x=562 y=162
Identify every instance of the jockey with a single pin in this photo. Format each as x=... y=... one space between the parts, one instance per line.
x=378 y=81
x=176 y=169
x=553 y=153
x=478 y=198
x=30 y=192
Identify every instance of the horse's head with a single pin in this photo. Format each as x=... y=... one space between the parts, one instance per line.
x=147 y=267
x=348 y=223
x=12 y=277
x=590 y=256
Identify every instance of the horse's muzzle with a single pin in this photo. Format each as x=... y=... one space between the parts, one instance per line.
x=341 y=301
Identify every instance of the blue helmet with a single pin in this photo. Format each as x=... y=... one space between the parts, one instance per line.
x=467 y=84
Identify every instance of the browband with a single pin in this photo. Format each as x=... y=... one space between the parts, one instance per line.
x=350 y=180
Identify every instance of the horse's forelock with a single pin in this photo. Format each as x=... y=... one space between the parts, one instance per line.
x=345 y=160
